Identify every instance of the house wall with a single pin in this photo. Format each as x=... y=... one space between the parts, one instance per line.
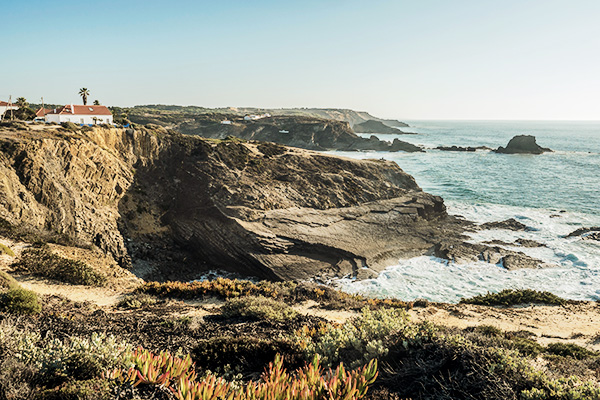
x=79 y=119
x=4 y=108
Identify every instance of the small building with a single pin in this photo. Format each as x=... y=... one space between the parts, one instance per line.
x=40 y=115
x=226 y=122
x=4 y=107
x=77 y=114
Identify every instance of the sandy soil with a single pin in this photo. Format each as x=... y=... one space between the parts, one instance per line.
x=573 y=323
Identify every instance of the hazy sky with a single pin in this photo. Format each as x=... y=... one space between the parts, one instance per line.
x=416 y=59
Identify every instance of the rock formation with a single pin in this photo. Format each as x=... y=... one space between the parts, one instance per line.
x=372 y=126
x=176 y=205
x=459 y=148
x=592 y=233
x=522 y=144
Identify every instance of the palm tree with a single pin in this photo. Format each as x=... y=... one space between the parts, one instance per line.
x=84 y=93
x=96 y=103
x=22 y=102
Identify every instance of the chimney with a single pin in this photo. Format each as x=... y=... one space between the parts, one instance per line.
x=72 y=109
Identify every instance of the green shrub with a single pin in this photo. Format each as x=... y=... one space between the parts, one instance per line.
x=91 y=389
x=75 y=358
x=136 y=300
x=570 y=350
x=20 y=301
x=6 y=250
x=363 y=338
x=42 y=262
x=7 y=281
x=510 y=297
x=258 y=307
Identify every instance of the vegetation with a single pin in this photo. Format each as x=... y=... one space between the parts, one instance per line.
x=363 y=338
x=43 y=262
x=288 y=291
x=137 y=300
x=84 y=93
x=308 y=383
x=6 y=250
x=511 y=297
x=258 y=307
x=20 y=301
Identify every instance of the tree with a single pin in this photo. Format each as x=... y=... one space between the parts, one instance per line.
x=96 y=103
x=22 y=102
x=84 y=93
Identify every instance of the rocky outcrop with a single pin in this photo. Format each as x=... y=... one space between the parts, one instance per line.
x=302 y=132
x=459 y=148
x=174 y=205
x=473 y=252
x=592 y=233
x=372 y=126
x=510 y=224
x=522 y=144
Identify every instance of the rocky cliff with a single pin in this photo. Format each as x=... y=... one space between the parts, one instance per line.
x=372 y=126
x=174 y=205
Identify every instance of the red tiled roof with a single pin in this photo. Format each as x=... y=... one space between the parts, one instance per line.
x=43 y=111
x=4 y=104
x=81 y=110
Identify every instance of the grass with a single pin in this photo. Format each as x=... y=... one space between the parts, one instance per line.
x=511 y=297
x=42 y=262
x=7 y=281
x=6 y=250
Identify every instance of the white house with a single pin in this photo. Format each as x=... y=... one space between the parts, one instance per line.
x=89 y=115
x=4 y=106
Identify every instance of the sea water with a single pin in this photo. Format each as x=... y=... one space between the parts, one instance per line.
x=553 y=193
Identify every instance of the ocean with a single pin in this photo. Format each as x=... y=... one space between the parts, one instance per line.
x=553 y=193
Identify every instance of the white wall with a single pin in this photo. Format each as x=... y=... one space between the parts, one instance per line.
x=4 y=108
x=79 y=119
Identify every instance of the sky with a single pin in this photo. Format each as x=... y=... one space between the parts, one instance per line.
x=425 y=59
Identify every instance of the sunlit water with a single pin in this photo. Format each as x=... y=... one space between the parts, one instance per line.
x=554 y=193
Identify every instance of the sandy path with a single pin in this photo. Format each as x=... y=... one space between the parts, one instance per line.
x=573 y=323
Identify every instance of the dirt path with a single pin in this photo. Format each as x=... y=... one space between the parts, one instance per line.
x=572 y=323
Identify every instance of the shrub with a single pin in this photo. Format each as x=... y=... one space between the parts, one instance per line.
x=14 y=341
x=42 y=262
x=20 y=301
x=570 y=350
x=75 y=358
x=16 y=380
x=7 y=281
x=509 y=297
x=91 y=389
x=6 y=250
x=258 y=307
x=233 y=355
x=70 y=126
x=136 y=300
x=363 y=338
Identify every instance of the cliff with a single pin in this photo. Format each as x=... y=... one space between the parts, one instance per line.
x=176 y=205
x=372 y=126
x=297 y=131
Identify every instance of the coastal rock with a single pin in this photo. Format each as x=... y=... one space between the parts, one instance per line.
x=297 y=131
x=459 y=148
x=372 y=126
x=522 y=144
x=472 y=252
x=510 y=224
x=174 y=206
x=592 y=233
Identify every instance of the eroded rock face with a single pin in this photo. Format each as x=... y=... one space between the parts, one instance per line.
x=372 y=126
x=510 y=224
x=522 y=144
x=176 y=204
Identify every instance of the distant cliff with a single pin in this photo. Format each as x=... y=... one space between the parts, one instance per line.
x=372 y=126
x=298 y=131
